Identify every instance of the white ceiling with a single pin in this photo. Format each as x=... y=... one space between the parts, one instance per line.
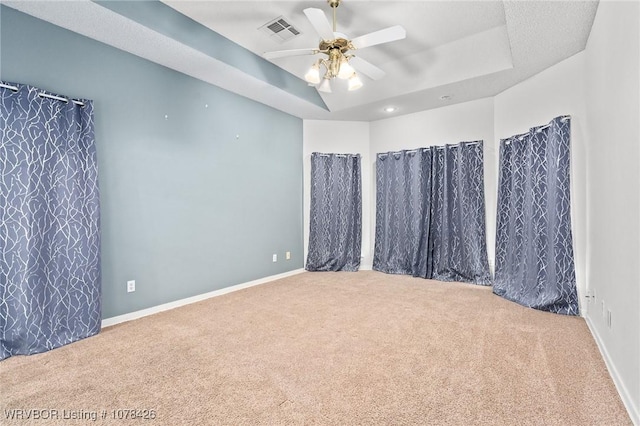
x=465 y=49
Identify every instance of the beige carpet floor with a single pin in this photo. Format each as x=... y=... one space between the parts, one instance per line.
x=328 y=348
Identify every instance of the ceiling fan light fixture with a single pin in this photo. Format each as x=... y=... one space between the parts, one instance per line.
x=325 y=87
x=313 y=75
x=336 y=46
x=346 y=70
x=354 y=82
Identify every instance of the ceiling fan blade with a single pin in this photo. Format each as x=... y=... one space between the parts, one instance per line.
x=320 y=23
x=292 y=52
x=378 y=37
x=366 y=68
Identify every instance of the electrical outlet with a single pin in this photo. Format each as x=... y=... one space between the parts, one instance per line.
x=131 y=286
x=275 y=257
x=591 y=296
x=288 y=255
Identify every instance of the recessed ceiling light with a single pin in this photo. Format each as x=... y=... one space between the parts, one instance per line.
x=445 y=97
x=390 y=109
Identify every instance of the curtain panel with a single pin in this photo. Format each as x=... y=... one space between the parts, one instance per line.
x=50 y=291
x=534 y=244
x=430 y=213
x=335 y=225
x=458 y=229
x=403 y=213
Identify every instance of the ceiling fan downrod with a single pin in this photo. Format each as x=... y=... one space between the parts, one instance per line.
x=334 y=5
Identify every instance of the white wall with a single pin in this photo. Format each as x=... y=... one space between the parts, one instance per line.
x=613 y=206
x=556 y=91
x=339 y=137
x=468 y=121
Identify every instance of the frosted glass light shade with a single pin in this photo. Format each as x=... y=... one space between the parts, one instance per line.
x=313 y=75
x=325 y=86
x=354 y=82
x=346 y=70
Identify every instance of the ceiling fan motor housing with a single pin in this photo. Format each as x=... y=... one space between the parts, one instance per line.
x=340 y=43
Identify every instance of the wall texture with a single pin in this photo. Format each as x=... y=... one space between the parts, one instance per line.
x=613 y=182
x=199 y=186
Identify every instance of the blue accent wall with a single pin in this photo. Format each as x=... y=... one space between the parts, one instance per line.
x=190 y=203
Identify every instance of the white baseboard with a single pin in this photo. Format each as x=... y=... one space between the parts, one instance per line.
x=627 y=400
x=182 y=302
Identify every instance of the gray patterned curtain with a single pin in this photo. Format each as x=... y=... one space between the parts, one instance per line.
x=430 y=214
x=534 y=249
x=335 y=228
x=458 y=230
x=403 y=213
x=49 y=222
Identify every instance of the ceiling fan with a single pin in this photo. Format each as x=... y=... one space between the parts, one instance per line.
x=340 y=62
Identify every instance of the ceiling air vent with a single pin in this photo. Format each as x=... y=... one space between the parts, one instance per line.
x=280 y=29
